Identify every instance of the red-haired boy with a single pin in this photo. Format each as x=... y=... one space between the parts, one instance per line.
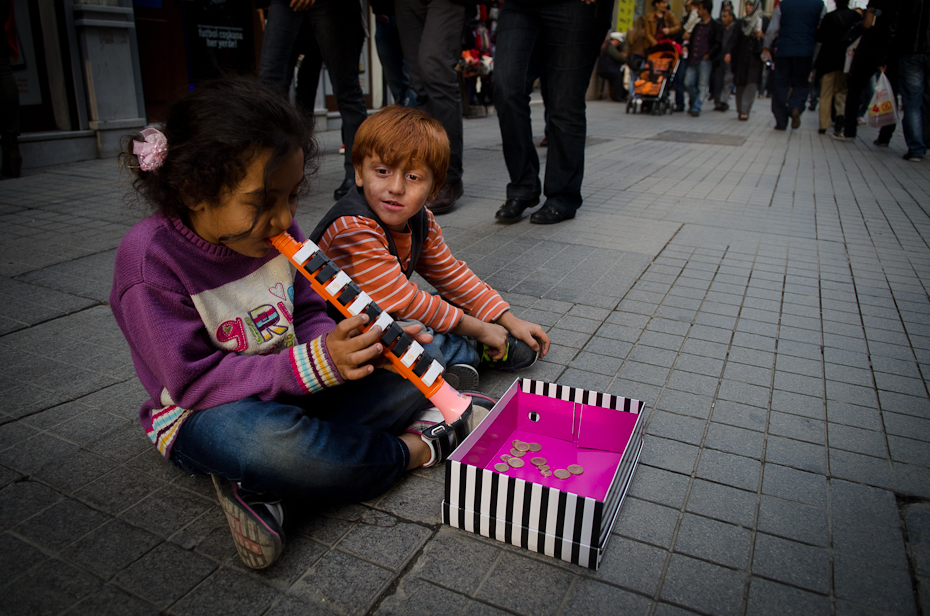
x=381 y=233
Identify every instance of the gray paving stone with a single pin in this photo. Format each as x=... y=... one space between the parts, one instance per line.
x=676 y=427
x=720 y=590
x=856 y=467
x=740 y=415
x=669 y=454
x=109 y=601
x=632 y=565
x=792 y=484
x=455 y=561
x=525 y=586
x=793 y=563
x=647 y=522
x=226 y=592
x=771 y=598
x=718 y=542
x=797 y=427
x=48 y=589
x=179 y=572
x=917 y=521
x=729 y=469
x=721 y=502
x=794 y=521
x=415 y=597
x=796 y=454
x=588 y=596
x=883 y=545
x=734 y=440
x=883 y=588
x=21 y=500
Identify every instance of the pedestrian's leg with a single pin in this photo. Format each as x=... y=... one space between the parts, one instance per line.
x=800 y=84
x=517 y=33
x=727 y=89
x=281 y=30
x=337 y=27
x=780 y=93
x=439 y=50
x=691 y=81
x=839 y=97
x=572 y=34
x=827 y=83
x=704 y=69
x=912 y=82
x=749 y=97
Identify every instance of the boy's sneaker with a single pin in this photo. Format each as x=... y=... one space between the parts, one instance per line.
x=257 y=527
x=517 y=356
x=441 y=437
x=461 y=377
x=914 y=158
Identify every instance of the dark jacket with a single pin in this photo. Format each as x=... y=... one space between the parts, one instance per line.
x=746 y=62
x=797 y=31
x=354 y=204
x=832 y=38
x=911 y=29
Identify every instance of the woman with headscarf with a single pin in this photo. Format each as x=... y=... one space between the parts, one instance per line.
x=746 y=60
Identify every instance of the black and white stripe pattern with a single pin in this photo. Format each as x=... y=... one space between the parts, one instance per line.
x=583 y=396
x=542 y=519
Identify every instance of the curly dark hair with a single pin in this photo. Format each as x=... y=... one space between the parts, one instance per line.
x=213 y=133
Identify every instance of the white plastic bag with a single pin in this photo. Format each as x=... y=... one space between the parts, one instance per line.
x=882 y=110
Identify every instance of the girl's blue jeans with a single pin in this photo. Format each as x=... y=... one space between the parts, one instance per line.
x=339 y=444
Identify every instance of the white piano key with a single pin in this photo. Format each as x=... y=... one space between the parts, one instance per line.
x=429 y=377
x=361 y=302
x=341 y=280
x=411 y=355
x=305 y=252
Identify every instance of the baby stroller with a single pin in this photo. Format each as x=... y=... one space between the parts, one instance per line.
x=655 y=79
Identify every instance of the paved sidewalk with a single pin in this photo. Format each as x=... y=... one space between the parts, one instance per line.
x=765 y=293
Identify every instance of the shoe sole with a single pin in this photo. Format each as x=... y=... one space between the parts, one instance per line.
x=461 y=377
x=257 y=544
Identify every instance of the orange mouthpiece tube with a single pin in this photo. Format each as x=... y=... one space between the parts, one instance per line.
x=408 y=357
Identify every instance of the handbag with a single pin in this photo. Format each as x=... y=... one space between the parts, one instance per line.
x=882 y=108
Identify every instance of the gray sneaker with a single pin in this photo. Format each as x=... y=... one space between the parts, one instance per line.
x=257 y=527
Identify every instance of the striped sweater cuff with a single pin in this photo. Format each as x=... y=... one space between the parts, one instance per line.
x=313 y=367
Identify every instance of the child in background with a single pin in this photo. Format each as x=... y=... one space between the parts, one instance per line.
x=381 y=233
x=249 y=380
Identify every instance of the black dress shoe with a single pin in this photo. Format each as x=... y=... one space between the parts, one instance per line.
x=549 y=216
x=344 y=188
x=512 y=210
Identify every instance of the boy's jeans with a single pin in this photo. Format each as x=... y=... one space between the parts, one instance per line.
x=696 y=79
x=337 y=445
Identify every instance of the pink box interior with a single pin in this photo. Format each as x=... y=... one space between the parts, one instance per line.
x=569 y=432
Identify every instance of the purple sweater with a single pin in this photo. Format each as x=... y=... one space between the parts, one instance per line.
x=207 y=325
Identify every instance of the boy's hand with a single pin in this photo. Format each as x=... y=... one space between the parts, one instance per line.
x=530 y=333
x=352 y=351
x=495 y=337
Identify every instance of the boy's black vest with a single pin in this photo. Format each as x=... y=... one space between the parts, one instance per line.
x=354 y=204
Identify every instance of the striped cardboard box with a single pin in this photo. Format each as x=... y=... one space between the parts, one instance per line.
x=558 y=523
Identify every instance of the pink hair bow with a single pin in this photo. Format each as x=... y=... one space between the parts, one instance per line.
x=151 y=152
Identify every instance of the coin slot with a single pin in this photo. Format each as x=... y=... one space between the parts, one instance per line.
x=534 y=416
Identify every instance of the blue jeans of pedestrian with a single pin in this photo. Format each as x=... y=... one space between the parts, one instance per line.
x=337 y=27
x=791 y=88
x=387 y=40
x=337 y=445
x=696 y=79
x=431 y=38
x=561 y=41
x=914 y=80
